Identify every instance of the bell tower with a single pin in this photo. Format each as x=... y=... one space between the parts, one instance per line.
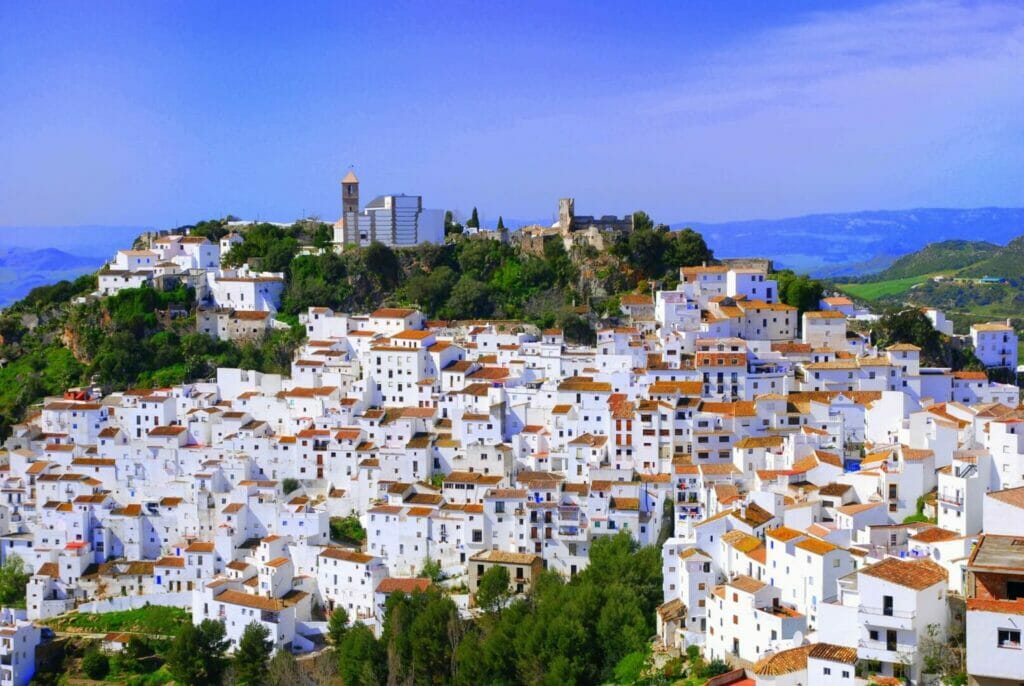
x=349 y=194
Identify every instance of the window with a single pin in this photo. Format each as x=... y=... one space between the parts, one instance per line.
x=1009 y=638
x=827 y=671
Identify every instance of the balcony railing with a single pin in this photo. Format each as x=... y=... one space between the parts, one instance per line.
x=954 y=499
x=568 y=514
x=888 y=646
x=887 y=612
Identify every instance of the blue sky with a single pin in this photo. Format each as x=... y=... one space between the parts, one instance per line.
x=163 y=113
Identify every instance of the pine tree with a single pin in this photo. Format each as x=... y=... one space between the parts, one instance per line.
x=253 y=654
x=337 y=625
x=196 y=655
x=501 y=224
x=493 y=590
x=474 y=220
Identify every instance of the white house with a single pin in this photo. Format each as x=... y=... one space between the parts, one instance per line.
x=995 y=344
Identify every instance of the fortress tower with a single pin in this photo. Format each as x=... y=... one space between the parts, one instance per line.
x=566 y=211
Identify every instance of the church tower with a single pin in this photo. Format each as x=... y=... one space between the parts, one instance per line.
x=346 y=229
x=349 y=194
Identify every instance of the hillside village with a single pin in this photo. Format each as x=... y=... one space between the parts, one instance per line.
x=826 y=509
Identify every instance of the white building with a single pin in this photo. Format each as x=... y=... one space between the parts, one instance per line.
x=394 y=220
x=995 y=611
x=995 y=344
x=18 y=642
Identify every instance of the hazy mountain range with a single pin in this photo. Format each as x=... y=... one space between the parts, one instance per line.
x=22 y=269
x=32 y=256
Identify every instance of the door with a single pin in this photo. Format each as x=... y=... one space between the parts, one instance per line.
x=890 y=640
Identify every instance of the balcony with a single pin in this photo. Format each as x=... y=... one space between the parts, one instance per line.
x=885 y=651
x=953 y=499
x=568 y=514
x=887 y=617
x=686 y=514
x=887 y=612
x=266 y=616
x=572 y=533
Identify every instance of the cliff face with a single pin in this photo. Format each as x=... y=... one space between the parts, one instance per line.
x=71 y=340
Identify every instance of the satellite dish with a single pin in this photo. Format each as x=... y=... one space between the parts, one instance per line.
x=798 y=638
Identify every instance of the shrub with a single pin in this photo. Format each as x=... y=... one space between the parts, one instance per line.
x=95 y=664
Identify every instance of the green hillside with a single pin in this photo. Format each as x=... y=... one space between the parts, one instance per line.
x=1007 y=262
x=964 y=294
x=962 y=263
x=939 y=258
x=876 y=290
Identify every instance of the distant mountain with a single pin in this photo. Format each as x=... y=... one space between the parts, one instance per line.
x=848 y=244
x=22 y=269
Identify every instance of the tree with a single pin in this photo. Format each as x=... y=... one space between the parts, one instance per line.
x=95 y=664
x=348 y=530
x=642 y=221
x=913 y=326
x=576 y=329
x=13 y=580
x=283 y=670
x=196 y=655
x=431 y=570
x=322 y=236
x=382 y=262
x=451 y=227
x=799 y=291
x=470 y=299
x=630 y=668
x=474 y=221
x=429 y=291
x=135 y=658
x=647 y=251
x=253 y=654
x=480 y=257
x=714 y=668
x=289 y=485
x=668 y=511
x=337 y=625
x=418 y=632
x=687 y=248
x=361 y=658
x=501 y=223
x=493 y=589
x=559 y=262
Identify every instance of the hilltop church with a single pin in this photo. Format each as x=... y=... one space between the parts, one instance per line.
x=397 y=221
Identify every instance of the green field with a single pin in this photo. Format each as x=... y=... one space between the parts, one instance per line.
x=152 y=620
x=882 y=289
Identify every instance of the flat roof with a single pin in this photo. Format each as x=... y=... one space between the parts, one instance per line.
x=994 y=552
